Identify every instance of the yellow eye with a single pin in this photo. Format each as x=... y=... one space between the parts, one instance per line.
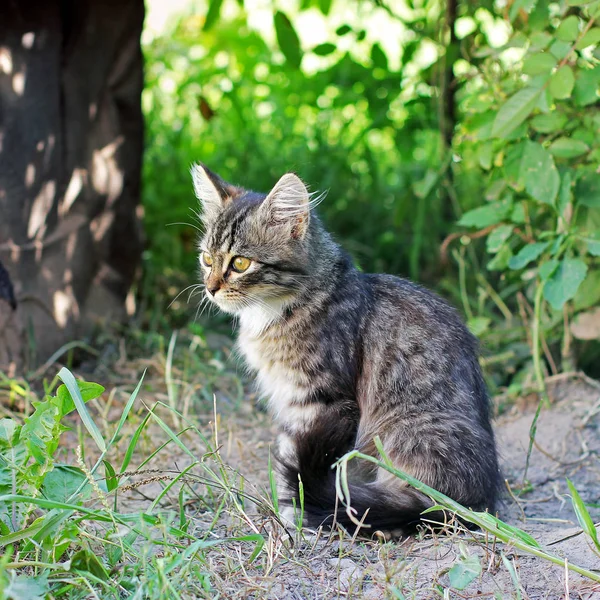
x=240 y=264
x=207 y=259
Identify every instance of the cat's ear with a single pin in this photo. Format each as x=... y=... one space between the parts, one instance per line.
x=288 y=204
x=214 y=193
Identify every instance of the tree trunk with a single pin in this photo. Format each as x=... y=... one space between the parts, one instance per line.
x=71 y=141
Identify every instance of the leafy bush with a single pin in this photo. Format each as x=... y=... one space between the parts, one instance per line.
x=531 y=129
x=340 y=113
x=484 y=127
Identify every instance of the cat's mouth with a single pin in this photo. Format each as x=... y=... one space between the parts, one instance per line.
x=227 y=302
x=236 y=303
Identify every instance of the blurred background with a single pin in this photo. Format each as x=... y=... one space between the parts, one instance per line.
x=458 y=143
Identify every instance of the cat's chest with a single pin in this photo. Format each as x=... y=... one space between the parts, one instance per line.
x=277 y=362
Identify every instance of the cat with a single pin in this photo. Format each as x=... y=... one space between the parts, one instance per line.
x=342 y=357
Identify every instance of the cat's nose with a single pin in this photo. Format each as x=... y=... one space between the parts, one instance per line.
x=213 y=288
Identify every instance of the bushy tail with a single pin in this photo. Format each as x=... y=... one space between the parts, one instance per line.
x=316 y=451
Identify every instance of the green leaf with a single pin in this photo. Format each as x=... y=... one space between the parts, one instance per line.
x=562 y=285
x=497 y=237
x=539 y=40
x=564 y=194
x=111 y=476
x=588 y=294
x=518 y=213
x=464 y=572
x=521 y=5
x=548 y=123
x=489 y=214
x=28 y=587
x=343 y=30
x=527 y=254
x=89 y=391
x=214 y=10
x=583 y=515
x=586 y=86
x=9 y=432
x=512 y=166
x=62 y=482
x=592 y=242
x=485 y=155
x=548 y=268
x=562 y=83
x=41 y=431
x=378 y=57
x=587 y=189
x=539 y=173
x=67 y=377
x=568 y=30
x=564 y=147
x=539 y=64
x=288 y=40
x=560 y=49
x=591 y=38
x=500 y=261
x=87 y=562
x=514 y=111
x=325 y=6
x=423 y=187
x=324 y=49
x=478 y=325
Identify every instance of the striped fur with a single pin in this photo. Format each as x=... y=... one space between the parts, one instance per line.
x=342 y=357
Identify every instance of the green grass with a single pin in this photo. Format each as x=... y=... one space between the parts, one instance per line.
x=130 y=494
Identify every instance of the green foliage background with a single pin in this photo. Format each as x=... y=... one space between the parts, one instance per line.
x=458 y=143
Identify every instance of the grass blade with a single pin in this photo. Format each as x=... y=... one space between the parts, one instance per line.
x=69 y=380
x=583 y=516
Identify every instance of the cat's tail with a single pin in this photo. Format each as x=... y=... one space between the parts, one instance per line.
x=396 y=510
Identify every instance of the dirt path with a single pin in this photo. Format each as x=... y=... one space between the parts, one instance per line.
x=567 y=446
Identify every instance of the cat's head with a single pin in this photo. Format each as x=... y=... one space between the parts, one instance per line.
x=254 y=251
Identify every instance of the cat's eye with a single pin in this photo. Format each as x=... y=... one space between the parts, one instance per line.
x=240 y=264
x=207 y=259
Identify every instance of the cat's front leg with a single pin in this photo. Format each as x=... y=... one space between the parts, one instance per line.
x=286 y=455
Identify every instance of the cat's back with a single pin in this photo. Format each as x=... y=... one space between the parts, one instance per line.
x=398 y=303
x=418 y=346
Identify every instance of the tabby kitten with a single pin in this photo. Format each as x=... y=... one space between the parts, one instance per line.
x=344 y=356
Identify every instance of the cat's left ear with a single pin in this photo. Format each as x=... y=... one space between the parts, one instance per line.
x=288 y=204
x=214 y=193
